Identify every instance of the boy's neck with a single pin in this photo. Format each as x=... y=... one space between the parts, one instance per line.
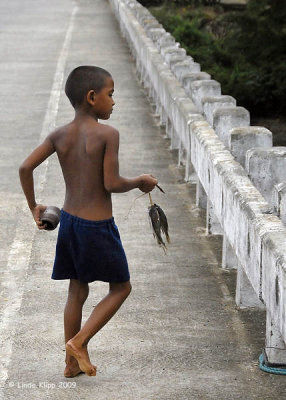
x=81 y=113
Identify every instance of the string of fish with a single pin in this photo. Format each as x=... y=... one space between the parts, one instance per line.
x=158 y=221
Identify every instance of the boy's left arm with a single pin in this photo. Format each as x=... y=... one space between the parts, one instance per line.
x=40 y=154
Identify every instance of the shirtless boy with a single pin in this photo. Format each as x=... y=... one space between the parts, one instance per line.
x=89 y=246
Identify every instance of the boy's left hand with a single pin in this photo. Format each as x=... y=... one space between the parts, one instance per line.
x=37 y=212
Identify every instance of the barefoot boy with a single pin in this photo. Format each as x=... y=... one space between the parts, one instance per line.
x=89 y=246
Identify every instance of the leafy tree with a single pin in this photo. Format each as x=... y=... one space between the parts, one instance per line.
x=244 y=50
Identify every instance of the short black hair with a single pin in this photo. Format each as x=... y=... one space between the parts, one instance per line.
x=81 y=80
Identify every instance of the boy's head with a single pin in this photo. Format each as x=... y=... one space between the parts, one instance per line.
x=84 y=79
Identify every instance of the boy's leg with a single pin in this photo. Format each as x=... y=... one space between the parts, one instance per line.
x=77 y=294
x=101 y=314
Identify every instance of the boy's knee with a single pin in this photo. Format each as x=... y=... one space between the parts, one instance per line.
x=128 y=288
x=83 y=295
x=124 y=288
x=79 y=290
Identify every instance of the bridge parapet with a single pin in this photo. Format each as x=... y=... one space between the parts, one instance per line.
x=240 y=140
x=211 y=103
x=183 y=68
x=267 y=168
x=254 y=239
x=280 y=200
x=203 y=88
x=227 y=118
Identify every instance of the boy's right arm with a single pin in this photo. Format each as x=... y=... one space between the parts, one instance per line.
x=26 y=177
x=115 y=183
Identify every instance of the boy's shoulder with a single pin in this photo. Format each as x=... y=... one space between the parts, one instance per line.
x=95 y=127
x=59 y=131
x=106 y=129
x=107 y=133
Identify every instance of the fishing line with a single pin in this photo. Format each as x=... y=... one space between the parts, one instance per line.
x=132 y=205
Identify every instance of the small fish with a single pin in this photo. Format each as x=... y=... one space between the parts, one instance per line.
x=163 y=222
x=159 y=223
x=156 y=224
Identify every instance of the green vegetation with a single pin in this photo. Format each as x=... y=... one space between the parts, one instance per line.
x=244 y=50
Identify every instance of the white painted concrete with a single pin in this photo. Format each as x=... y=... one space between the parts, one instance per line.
x=257 y=238
x=280 y=201
x=240 y=140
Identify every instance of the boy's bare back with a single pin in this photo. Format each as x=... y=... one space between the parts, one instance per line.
x=80 y=147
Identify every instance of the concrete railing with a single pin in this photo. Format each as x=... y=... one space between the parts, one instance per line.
x=239 y=175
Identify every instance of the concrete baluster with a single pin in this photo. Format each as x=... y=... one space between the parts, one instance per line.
x=245 y=296
x=175 y=140
x=201 y=196
x=152 y=25
x=242 y=139
x=149 y=23
x=163 y=115
x=182 y=68
x=280 y=201
x=183 y=65
x=175 y=95
x=165 y=40
x=177 y=59
x=275 y=347
x=213 y=225
x=169 y=129
x=143 y=14
x=146 y=19
x=197 y=124
x=266 y=168
x=155 y=33
x=191 y=77
x=204 y=88
x=169 y=48
x=173 y=53
x=224 y=119
x=137 y=9
x=185 y=149
x=229 y=259
x=211 y=103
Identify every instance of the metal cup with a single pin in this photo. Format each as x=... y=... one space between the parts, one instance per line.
x=51 y=217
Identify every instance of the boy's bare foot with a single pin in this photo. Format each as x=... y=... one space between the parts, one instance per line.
x=72 y=370
x=81 y=355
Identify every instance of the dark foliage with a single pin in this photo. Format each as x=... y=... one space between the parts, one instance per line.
x=244 y=50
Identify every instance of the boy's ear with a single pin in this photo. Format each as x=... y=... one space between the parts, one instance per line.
x=91 y=97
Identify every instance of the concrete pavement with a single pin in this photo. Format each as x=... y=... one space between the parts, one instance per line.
x=179 y=334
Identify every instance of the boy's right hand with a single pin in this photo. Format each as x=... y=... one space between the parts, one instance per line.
x=148 y=182
x=37 y=212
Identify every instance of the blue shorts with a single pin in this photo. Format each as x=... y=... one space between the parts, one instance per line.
x=89 y=251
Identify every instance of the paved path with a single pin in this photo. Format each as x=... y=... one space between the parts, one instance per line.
x=178 y=335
